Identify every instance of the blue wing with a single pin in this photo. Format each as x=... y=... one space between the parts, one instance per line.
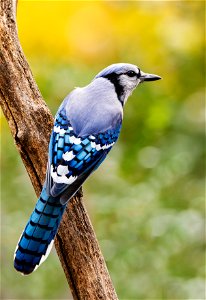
x=73 y=158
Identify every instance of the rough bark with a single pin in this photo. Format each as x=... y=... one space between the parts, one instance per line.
x=30 y=122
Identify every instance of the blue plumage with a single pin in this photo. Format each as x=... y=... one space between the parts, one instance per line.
x=86 y=127
x=39 y=233
x=74 y=155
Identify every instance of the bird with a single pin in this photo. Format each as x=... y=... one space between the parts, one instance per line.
x=86 y=126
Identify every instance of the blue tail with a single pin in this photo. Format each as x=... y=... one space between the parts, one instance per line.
x=38 y=236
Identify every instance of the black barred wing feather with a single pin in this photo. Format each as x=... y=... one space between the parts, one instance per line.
x=73 y=158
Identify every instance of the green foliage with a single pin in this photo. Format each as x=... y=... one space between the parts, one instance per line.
x=147 y=200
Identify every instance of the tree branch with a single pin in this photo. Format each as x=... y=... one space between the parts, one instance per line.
x=31 y=122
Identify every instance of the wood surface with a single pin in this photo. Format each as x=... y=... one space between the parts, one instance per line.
x=31 y=122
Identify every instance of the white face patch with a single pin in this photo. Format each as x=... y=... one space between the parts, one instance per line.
x=128 y=84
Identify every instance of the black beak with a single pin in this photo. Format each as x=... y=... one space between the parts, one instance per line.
x=149 y=77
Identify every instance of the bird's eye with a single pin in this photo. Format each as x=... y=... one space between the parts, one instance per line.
x=131 y=73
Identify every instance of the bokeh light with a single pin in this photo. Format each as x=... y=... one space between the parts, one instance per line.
x=146 y=201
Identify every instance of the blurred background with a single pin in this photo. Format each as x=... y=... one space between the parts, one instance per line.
x=146 y=201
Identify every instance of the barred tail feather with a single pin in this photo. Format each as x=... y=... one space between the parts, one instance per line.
x=37 y=238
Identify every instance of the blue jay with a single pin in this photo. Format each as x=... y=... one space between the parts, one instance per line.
x=86 y=127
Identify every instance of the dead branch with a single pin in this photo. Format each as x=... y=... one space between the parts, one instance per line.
x=31 y=122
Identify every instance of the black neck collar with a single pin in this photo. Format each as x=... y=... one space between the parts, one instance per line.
x=114 y=79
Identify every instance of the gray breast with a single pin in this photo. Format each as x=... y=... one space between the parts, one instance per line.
x=94 y=108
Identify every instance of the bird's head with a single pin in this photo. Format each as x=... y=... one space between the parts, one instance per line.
x=125 y=77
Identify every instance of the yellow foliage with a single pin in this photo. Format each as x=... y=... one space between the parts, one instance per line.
x=91 y=30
